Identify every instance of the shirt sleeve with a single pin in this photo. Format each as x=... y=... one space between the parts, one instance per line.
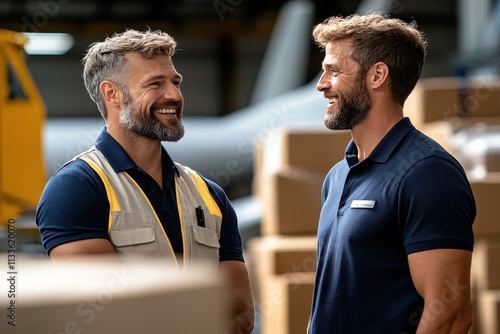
x=437 y=207
x=230 y=239
x=73 y=206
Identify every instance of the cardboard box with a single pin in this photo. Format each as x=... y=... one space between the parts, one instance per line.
x=289 y=171
x=277 y=254
x=435 y=99
x=97 y=295
x=268 y=256
x=287 y=305
x=282 y=271
x=485 y=270
x=313 y=149
x=488 y=316
x=291 y=202
x=474 y=328
x=486 y=193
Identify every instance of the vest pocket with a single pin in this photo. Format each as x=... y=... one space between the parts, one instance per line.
x=134 y=236
x=206 y=236
x=136 y=242
x=206 y=245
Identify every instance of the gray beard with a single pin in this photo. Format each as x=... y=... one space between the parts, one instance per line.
x=139 y=124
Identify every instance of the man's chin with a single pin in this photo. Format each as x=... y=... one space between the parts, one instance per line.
x=333 y=123
x=173 y=135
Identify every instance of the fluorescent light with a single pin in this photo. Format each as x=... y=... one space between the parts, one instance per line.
x=48 y=43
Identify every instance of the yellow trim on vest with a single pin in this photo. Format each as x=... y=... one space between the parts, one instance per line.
x=209 y=201
x=157 y=219
x=205 y=193
x=113 y=202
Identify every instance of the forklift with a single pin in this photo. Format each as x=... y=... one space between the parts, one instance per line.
x=22 y=117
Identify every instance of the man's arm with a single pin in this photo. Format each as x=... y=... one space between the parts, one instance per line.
x=442 y=278
x=74 y=208
x=96 y=246
x=241 y=299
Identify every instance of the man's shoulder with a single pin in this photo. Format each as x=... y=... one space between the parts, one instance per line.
x=75 y=173
x=340 y=169
x=422 y=158
x=419 y=147
x=215 y=190
x=213 y=187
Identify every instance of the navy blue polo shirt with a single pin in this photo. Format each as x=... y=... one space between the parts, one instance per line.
x=408 y=195
x=74 y=204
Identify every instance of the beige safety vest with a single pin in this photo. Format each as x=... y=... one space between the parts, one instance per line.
x=134 y=227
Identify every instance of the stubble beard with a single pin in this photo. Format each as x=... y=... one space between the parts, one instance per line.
x=353 y=108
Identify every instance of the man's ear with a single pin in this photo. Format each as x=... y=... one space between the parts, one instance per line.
x=111 y=93
x=379 y=75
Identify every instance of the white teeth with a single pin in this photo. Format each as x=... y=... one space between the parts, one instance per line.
x=332 y=100
x=166 y=111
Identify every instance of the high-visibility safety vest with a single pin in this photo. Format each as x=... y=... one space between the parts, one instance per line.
x=134 y=227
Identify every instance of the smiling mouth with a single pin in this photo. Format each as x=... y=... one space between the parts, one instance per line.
x=332 y=100
x=166 y=111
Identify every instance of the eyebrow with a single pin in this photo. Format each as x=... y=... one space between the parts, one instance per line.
x=162 y=77
x=327 y=65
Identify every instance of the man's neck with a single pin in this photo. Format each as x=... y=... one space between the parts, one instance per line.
x=146 y=153
x=368 y=134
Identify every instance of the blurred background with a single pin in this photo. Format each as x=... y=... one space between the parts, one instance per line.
x=249 y=71
x=222 y=43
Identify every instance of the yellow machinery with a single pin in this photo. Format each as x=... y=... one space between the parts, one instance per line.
x=22 y=113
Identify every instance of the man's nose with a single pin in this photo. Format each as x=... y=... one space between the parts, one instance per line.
x=322 y=83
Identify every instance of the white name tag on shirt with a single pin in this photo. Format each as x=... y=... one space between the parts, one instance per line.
x=362 y=204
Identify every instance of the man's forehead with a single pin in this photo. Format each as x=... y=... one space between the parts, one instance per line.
x=149 y=68
x=338 y=45
x=159 y=61
x=135 y=56
x=338 y=49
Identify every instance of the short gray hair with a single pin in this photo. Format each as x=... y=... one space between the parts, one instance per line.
x=106 y=60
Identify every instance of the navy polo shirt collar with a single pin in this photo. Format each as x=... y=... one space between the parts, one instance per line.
x=385 y=147
x=119 y=159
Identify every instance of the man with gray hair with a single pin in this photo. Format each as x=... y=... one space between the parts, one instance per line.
x=125 y=195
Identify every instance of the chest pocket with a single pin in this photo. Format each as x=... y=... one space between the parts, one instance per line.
x=205 y=240
x=135 y=234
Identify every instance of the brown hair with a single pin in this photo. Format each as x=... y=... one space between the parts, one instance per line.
x=376 y=38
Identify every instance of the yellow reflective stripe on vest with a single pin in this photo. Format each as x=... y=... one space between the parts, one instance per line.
x=113 y=202
x=205 y=193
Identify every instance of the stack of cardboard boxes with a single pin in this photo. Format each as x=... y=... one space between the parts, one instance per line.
x=288 y=175
x=435 y=107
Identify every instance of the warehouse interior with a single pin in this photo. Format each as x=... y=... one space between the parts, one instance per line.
x=225 y=45
x=233 y=89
